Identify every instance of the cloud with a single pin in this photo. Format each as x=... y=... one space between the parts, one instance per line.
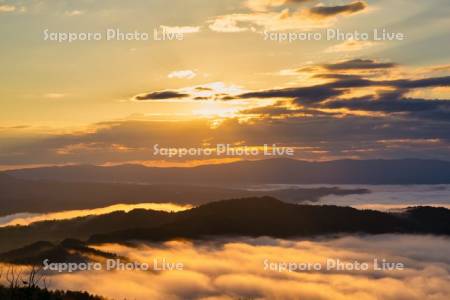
x=390 y=104
x=350 y=46
x=283 y=109
x=245 y=268
x=342 y=110
x=180 y=29
x=25 y=219
x=301 y=94
x=358 y=64
x=5 y=8
x=278 y=109
x=54 y=95
x=264 y=5
x=214 y=91
x=267 y=21
x=369 y=79
x=262 y=17
x=73 y=13
x=423 y=83
x=161 y=95
x=353 y=92
x=182 y=74
x=227 y=23
x=330 y=11
x=321 y=135
x=389 y=198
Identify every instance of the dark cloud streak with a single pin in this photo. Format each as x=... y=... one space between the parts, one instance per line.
x=329 y=11
x=161 y=95
x=358 y=64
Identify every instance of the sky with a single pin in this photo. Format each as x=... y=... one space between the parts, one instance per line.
x=109 y=102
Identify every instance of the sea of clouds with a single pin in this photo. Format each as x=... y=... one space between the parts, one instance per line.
x=234 y=269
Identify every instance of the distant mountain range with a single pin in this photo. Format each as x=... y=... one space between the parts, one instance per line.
x=40 y=196
x=283 y=171
x=264 y=216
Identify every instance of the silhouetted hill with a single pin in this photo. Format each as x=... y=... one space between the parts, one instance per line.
x=79 y=228
x=270 y=217
x=263 y=216
x=67 y=251
x=405 y=171
x=38 y=196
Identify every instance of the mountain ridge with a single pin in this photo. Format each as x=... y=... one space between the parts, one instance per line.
x=267 y=216
x=269 y=171
x=254 y=217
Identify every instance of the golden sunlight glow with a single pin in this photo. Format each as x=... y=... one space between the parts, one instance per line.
x=64 y=215
x=245 y=266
